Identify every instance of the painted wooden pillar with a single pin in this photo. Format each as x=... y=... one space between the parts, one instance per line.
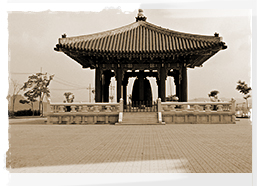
x=102 y=86
x=98 y=85
x=178 y=84
x=119 y=82
x=159 y=87
x=141 y=85
x=105 y=92
x=162 y=83
x=184 y=84
x=125 y=83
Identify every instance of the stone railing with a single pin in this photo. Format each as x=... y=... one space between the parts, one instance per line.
x=83 y=113
x=198 y=112
x=168 y=112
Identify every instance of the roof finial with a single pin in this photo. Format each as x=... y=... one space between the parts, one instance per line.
x=140 y=16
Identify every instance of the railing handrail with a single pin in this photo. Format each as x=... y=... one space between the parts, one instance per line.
x=74 y=103
x=196 y=103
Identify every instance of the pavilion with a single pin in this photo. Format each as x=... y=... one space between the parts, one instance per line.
x=140 y=49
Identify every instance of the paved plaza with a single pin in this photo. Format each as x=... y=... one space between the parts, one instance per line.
x=174 y=148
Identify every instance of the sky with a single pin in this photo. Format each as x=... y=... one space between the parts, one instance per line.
x=33 y=36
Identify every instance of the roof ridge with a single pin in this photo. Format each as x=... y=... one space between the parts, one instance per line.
x=183 y=34
x=102 y=34
x=133 y=25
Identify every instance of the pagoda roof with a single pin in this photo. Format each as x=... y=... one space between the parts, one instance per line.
x=141 y=38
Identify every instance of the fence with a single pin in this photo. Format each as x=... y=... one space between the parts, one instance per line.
x=168 y=112
x=141 y=106
x=83 y=113
x=198 y=112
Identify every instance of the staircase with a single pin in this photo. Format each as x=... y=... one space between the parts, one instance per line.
x=140 y=118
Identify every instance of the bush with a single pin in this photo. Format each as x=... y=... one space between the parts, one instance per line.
x=10 y=113
x=26 y=113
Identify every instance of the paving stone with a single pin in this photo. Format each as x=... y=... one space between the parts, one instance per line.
x=177 y=148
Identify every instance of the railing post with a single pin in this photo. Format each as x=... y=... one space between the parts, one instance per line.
x=220 y=108
x=159 y=105
x=159 y=109
x=84 y=108
x=207 y=108
x=96 y=109
x=172 y=107
x=80 y=108
x=196 y=108
x=73 y=108
x=120 y=110
x=108 y=108
x=61 y=107
x=233 y=105
x=233 y=110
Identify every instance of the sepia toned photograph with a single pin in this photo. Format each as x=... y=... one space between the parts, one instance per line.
x=130 y=91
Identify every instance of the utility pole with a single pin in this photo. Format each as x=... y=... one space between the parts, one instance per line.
x=90 y=89
x=41 y=105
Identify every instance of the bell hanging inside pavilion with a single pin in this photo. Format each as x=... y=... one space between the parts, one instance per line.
x=142 y=95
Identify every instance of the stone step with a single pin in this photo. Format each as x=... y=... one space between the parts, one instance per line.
x=133 y=123
x=140 y=118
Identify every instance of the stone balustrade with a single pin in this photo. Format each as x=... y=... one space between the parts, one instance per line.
x=83 y=113
x=168 y=112
x=198 y=112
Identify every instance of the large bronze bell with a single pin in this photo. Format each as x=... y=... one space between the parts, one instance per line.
x=147 y=96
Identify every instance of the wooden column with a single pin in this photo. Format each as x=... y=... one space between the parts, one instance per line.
x=141 y=85
x=162 y=83
x=119 y=81
x=178 y=84
x=105 y=92
x=124 y=84
x=102 y=86
x=184 y=84
x=98 y=85
x=159 y=87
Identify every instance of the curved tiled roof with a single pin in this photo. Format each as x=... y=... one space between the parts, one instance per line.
x=140 y=37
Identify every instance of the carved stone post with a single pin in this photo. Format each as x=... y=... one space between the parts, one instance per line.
x=233 y=110
x=120 y=110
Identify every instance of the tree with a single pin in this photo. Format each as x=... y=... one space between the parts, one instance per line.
x=213 y=93
x=30 y=99
x=214 y=97
x=16 y=88
x=69 y=97
x=243 y=88
x=37 y=87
